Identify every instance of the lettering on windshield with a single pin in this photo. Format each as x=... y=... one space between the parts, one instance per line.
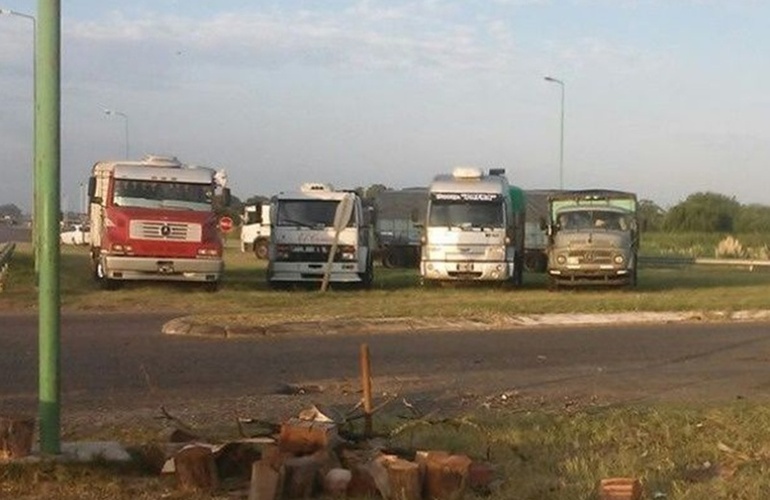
x=466 y=196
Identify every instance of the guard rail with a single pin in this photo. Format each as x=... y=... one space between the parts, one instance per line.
x=674 y=261
x=5 y=258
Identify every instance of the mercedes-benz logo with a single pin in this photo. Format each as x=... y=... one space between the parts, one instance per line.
x=165 y=230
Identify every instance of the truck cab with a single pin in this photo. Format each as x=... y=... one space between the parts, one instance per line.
x=308 y=225
x=474 y=228
x=255 y=229
x=153 y=219
x=592 y=238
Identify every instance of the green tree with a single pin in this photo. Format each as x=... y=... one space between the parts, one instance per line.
x=753 y=218
x=706 y=212
x=373 y=190
x=11 y=211
x=651 y=216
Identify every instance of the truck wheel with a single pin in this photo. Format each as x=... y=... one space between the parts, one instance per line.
x=211 y=286
x=102 y=280
x=518 y=269
x=553 y=283
x=632 y=279
x=260 y=249
x=367 y=277
x=389 y=259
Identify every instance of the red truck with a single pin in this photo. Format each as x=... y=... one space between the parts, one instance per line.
x=154 y=219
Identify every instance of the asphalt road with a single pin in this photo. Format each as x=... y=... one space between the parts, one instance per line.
x=121 y=362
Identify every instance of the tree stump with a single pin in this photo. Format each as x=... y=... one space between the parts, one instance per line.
x=196 y=469
x=266 y=481
x=303 y=437
x=446 y=476
x=405 y=480
x=16 y=436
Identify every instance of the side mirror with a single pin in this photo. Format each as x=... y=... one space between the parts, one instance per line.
x=543 y=224
x=368 y=215
x=92 y=191
x=226 y=198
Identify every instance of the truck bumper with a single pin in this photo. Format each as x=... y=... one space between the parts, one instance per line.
x=466 y=271
x=296 y=272
x=591 y=276
x=151 y=268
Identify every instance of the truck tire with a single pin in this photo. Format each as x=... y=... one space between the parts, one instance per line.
x=389 y=258
x=518 y=269
x=261 y=249
x=102 y=280
x=367 y=277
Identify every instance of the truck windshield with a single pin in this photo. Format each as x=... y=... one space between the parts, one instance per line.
x=479 y=214
x=308 y=213
x=152 y=194
x=593 y=219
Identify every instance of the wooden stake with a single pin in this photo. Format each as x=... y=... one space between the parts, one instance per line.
x=366 y=384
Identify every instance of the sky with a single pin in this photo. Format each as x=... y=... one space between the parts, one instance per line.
x=661 y=97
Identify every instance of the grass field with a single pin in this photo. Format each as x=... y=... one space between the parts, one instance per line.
x=244 y=295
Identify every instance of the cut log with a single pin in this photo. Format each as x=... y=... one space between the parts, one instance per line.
x=304 y=474
x=446 y=476
x=16 y=433
x=362 y=483
x=266 y=481
x=196 y=469
x=302 y=437
x=405 y=480
x=620 y=488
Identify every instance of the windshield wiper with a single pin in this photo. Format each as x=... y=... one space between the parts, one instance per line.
x=301 y=223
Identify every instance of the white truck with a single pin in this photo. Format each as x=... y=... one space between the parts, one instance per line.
x=474 y=228
x=255 y=229
x=306 y=226
x=153 y=219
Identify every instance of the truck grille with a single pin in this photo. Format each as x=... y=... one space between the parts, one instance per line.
x=592 y=256
x=164 y=231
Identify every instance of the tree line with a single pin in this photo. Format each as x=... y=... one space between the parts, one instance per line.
x=705 y=212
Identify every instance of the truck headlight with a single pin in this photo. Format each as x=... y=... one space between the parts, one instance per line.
x=619 y=259
x=347 y=252
x=561 y=259
x=282 y=252
x=496 y=253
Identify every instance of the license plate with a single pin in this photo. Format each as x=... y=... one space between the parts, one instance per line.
x=465 y=267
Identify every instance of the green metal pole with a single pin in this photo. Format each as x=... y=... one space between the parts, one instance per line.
x=47 y=156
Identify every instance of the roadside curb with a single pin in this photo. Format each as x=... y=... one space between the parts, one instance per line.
x=199 y=327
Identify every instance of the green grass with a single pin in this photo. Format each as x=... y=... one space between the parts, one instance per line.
x=245 y=297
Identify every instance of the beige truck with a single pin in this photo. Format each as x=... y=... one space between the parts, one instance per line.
x=593 y=238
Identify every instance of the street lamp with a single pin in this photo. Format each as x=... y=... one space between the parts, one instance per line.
x=125 y=118
x=561 y=136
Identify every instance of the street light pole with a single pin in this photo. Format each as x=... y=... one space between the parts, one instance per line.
x=125 y=118
x=561 y=135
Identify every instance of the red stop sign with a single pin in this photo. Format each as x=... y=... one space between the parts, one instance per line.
x=226 y=224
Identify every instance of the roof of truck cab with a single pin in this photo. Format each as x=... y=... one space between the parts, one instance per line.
x=591 y=193
x=446 y=183
x=196 y=175
x=312 y=195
